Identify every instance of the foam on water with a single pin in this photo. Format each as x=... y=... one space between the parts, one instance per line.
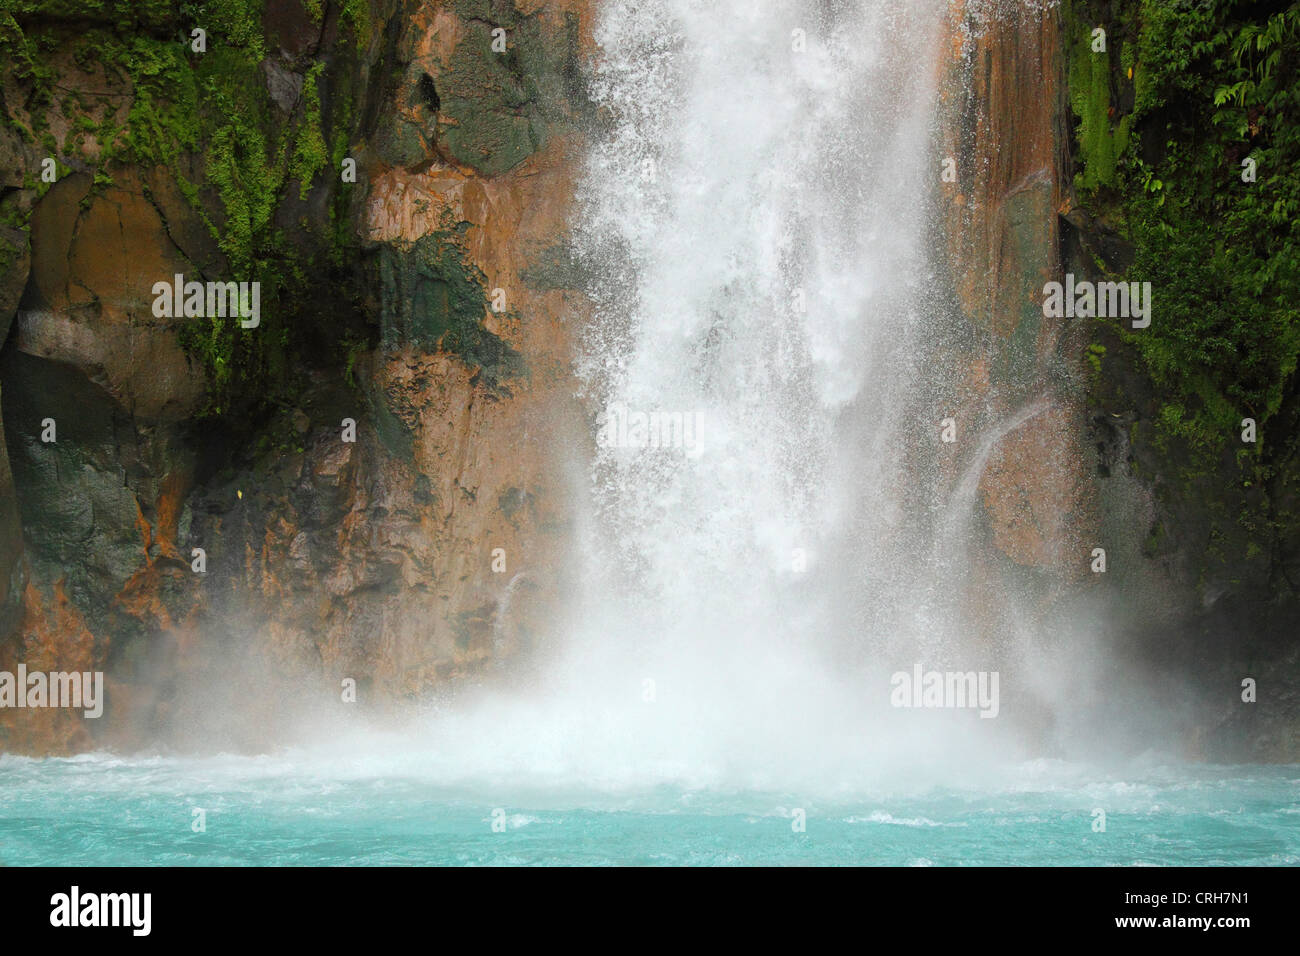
x=304 y=807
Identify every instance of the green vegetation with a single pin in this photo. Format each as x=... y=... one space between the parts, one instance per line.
x=248 y=169
x=354 y=13
x=1094 y=355
x=309 y=153
x=1210 y=85
x=209 y=119
x=1101 y=142
x=1190 y=98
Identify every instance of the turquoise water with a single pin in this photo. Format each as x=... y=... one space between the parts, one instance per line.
x=296 y=809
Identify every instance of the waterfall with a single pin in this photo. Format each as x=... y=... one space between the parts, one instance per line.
x=754 y=214
x=765 y=484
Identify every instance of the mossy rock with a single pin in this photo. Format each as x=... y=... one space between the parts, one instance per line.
x=433 y=296
x=497 y=107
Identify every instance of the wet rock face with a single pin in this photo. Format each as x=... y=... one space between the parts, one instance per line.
x=53 y=638
x=15 y=261
x=89 y=302
x=12 y=572
x=1003 y=96
x=207 y=551
x=74 y=492
x=377 y=564
x=97 y=389
x=484 y=83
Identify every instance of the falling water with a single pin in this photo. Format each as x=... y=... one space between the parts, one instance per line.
x=754 y=212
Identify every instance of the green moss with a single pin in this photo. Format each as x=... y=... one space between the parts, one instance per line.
x=14 y=216
x=234 y=24
x=500 y=105
x=309 y=154
x=356 y=15
x=164 y=116
x=1102 y=137
x=208 y=118
x=433 y=296
x=1094 y=355
x=245 y=179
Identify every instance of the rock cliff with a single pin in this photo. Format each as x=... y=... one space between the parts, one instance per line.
x=396 y=176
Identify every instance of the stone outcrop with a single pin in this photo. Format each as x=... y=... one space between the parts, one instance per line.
x=422 y=551
x=1004 y=129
